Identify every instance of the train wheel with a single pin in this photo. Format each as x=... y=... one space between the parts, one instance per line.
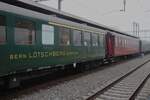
x=12 y=82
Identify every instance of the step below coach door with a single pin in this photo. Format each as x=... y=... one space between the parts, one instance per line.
x=110 y=45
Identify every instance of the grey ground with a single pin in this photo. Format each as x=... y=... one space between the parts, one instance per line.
x=77 y=88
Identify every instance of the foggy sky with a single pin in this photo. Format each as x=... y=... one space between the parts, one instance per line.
x=107 y=12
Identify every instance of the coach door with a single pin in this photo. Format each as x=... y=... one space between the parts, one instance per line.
x=110 y=45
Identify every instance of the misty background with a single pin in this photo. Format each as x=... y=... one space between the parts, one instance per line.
x=108 y=12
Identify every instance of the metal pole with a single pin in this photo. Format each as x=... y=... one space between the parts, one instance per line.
x=138 y=30
x=59 y=4
x=124 y=2
x=134 y=28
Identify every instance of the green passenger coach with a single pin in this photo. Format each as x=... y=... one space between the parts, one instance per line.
x=34 y=41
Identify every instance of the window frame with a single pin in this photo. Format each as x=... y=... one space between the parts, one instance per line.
x=35 y=31
x=90 y=41
x=5 y=35
x=95 y=40
x=73 y=42
x=60 y=34
x=53 y=34
x=116 y=41
x=101 y=36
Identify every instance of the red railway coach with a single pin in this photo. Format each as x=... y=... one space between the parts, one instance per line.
x=121 y=45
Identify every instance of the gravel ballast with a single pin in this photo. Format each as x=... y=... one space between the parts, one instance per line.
x=77 y=88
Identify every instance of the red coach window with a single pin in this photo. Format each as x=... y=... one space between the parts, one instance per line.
x=2 y=30
x=116 y=41
x=24 y=33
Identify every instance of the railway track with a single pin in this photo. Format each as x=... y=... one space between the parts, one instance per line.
x=126 y=87
x=33 y=88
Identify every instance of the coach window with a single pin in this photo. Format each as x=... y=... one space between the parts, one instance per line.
x=24 y=32
x=122 y=43
x=119 y=42
x=47 y=34
x=95 y=40
x=116 y=42
x=2 y=30
x=76 y=38
x=87 y=39
x=64 y=36
x=125 y=43
x=101 y=40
